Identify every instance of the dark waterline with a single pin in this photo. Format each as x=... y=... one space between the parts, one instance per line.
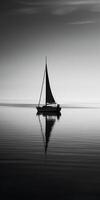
x=62 y=162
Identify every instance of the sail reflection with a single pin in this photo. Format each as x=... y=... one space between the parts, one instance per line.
x=48 y=129
x=50 y=121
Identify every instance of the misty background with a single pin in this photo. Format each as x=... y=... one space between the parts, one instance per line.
x=67 y=32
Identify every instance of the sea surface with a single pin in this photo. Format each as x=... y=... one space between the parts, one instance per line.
x=49 y=157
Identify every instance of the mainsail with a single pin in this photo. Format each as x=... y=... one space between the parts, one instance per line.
x=49 y=99
x=49 y=96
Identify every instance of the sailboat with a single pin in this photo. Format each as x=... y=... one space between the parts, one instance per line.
x=50 y=106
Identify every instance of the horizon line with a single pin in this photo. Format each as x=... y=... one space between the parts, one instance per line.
x=33 y=105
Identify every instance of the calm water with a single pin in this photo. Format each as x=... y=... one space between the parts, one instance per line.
x=46 y=157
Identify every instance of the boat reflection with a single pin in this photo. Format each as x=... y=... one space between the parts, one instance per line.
x=50 y=121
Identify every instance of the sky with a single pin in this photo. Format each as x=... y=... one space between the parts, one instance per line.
x=67 y=32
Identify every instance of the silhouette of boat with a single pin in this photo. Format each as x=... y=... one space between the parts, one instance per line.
x=50 y=106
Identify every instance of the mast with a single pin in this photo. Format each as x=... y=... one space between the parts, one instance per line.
x=49 y=96
x=42 y=87
x=45 y=80
x=49 y=99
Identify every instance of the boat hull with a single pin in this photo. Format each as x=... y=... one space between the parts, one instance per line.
x=48 y=109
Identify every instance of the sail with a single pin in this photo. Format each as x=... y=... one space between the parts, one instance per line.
x=49 y=96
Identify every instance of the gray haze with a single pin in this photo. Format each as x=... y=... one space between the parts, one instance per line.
x=68 y=32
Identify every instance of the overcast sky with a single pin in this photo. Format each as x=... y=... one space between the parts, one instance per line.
x=67 y=31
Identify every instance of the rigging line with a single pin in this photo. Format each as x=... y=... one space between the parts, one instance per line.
x=41 y=88
x=41 y=130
